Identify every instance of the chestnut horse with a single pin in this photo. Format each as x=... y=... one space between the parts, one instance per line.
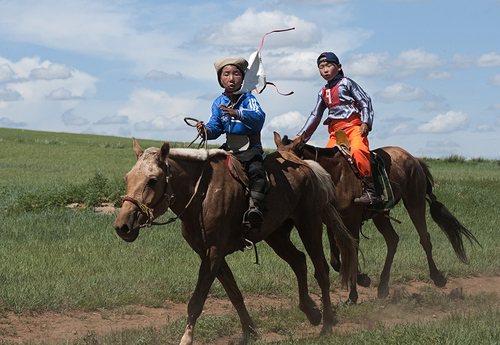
x=211 y=204
x=411 y=181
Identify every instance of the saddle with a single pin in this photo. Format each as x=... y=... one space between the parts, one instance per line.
x=379 y=172
x=237 y=171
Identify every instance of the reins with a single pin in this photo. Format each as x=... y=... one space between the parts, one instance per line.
x=203 y=137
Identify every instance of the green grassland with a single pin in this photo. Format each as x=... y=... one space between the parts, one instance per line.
x=55 y=258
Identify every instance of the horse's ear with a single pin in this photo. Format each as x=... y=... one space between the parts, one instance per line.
x=163 y=152
x=137 y=149
x=277 y=139
x=301 y=139
x=299 y=142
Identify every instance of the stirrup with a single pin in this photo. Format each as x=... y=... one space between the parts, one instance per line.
x=253 y=218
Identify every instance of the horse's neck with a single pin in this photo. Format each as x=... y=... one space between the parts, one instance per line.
x=185 y=175
x=331 y=160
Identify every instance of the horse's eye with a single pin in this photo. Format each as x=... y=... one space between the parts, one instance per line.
x=151 y=183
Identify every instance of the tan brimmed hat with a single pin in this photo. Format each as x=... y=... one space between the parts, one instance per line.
x=239 y=62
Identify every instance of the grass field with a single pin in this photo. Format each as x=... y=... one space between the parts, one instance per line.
x=55 y=259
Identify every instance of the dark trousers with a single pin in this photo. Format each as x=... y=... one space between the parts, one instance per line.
x=252 y=160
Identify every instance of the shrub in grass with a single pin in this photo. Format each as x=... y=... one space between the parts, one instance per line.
x=96 y=190
x=454 y=159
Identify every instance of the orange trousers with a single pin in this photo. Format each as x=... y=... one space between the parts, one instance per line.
x=359 y=148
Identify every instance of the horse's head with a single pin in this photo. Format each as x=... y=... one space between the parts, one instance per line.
x=147 y=191
x=286 y=145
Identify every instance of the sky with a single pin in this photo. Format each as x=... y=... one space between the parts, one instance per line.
x=131 y=68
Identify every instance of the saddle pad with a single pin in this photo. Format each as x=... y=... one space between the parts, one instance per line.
x=382 y=184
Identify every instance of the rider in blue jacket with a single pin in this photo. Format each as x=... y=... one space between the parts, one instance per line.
x=240 y=117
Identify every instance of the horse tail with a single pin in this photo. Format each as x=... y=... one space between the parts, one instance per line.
x=450 y=225
x=346 y=243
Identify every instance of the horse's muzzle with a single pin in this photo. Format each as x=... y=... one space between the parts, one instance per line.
x=127 y=234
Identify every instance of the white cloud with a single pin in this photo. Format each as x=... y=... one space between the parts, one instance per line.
x=418 y=59
x=7 y=74
x=7 y=123
x=290 y=120
x=246 y=31
x=156 y=75
x=367 y=64
x=401 y=129
x=53 y=71
x=299 y=65
x=461 y=61
x=109 y=30
x=62 y=94
x=159 y=123
x=8 y=95
x=400 y=92
x=113 y=120
x=447 y=144
x=69 y=118
x=158 y=109
x=489 y=60
x=316 y=2
x=446 y=123
x=436 y=103
x=485 y=128
x=440 y=75
x=495 y=80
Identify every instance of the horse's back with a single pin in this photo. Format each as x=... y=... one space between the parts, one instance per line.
x=404 y=170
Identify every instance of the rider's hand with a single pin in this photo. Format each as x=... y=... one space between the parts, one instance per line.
x=228 y=111
x=200 y=125
x=364 y=129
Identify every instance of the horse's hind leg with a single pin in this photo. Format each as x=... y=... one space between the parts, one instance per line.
x=310 y=230
x=225 y=276
x=385 y=227
x=279 y=240
x=334 y=250
x=416 y=210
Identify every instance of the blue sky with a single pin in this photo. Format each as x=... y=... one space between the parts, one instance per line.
x=137 y=68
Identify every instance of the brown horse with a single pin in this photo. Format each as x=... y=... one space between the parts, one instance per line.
x=211 y=203
x=411 y=181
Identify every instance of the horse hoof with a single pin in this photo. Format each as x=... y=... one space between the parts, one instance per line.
x=326 y=330
x=314 y=317
x=335 y=265
x=383 y=292
x=364 y=280
x=440 y=281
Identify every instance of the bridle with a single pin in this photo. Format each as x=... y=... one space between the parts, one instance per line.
x=149 y=211
x=170 y=198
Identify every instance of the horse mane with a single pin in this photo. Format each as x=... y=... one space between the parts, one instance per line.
x=188 y=154
x=196 y=154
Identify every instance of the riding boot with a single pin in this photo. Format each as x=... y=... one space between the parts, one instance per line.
x=369 y=196
x=254 y=214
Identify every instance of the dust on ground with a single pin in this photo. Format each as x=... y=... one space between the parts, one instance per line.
x=51 y=327
x=69 y=325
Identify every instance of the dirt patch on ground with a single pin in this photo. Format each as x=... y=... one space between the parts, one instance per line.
x=51 y=327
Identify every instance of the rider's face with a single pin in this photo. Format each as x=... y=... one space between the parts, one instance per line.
x=329 y=70
x=231 y=78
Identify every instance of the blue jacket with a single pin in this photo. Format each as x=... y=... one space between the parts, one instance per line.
x=250 y=119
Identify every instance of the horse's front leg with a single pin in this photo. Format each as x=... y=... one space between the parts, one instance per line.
x=210 y=262
x=227 y=280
